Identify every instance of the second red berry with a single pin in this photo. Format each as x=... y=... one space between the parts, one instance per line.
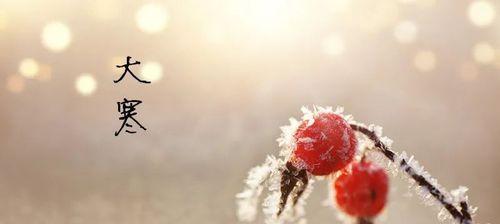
x=361 y=189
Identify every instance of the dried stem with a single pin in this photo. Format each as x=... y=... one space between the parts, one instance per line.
x=363 y=220
x=290 y=177
x=462 y=216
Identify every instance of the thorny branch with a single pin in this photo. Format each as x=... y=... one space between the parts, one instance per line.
x=463 y=216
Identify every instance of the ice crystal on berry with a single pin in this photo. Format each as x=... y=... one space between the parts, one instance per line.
x=325 y=142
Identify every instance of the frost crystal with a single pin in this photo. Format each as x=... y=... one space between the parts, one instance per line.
x=424 y=193
x=287 y=140
x=268 y=175
x=459 y=194
x=248 y=199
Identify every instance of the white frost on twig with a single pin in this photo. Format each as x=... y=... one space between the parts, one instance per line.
x=287 y=140
x=268 y=175
x=459 y=194
x=247 y=200
x=454 y=197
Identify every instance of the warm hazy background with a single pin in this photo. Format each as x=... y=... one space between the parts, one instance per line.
x=228 y=74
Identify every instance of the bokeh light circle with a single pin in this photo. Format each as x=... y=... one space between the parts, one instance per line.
x=376 y=15
x=151 y=71
x=44 y=73
x=86 y=84
x=29 y=68
x=481 y=13
x=483 y=53
x=425 y=60
x=405 y=32
x=56 y=36
x=15 y=84
x=152 y=18
x=3 y=20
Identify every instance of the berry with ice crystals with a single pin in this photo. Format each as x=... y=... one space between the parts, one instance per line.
x=325 y=146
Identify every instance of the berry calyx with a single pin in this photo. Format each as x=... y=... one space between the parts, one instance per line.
x=324 y=146
x=361 y=189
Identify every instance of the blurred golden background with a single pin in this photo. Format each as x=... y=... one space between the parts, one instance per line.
x=226 y=74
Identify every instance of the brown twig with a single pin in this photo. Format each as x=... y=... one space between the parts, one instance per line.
x=463 y=216
x=363 y=220
x=290 y=176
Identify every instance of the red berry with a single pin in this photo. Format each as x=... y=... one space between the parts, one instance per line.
x=361 y=189
x=325 y=146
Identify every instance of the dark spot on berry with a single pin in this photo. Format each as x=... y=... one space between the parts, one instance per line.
x=373 y=194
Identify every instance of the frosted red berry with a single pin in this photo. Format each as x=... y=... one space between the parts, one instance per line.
x=325 y=146
x=361 y=189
